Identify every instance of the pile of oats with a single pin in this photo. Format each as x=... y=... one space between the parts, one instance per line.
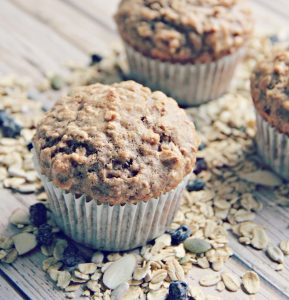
x=219 y=198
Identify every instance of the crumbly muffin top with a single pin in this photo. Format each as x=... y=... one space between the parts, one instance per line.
x=117 y=144
x=270 y=90
x=195 y=31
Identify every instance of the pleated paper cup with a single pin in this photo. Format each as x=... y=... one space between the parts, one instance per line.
x=273 y=147
x=111 y=228
x=189 y=84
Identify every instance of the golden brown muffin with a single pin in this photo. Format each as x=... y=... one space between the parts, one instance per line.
x=117 y=144
x=184 y=31
x=270 y=90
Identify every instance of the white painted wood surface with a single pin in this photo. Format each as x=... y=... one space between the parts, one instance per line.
x=39 y=37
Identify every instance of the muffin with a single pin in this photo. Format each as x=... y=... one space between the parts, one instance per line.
x=114 y=160
x=187 y=48
x=270 y=93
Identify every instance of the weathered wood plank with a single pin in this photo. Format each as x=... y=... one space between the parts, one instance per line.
x=75 y=27
x=100 y=11
x=34 y=42
x=7 y=291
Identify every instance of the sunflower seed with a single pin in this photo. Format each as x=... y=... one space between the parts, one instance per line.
x=161 y=294
x=197 y=246
x=251 y=282
x=158 y=276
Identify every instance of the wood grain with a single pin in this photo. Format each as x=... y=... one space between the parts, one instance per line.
x=33 y=42
x=70 y=23
x=7 y=291
x=37 y=38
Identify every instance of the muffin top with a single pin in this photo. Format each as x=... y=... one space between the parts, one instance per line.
x=119 y=143
x=270 y=90
x=184 y=31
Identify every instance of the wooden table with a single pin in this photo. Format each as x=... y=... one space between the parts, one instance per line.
x=39 y=37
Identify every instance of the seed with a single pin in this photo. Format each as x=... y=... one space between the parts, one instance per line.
x=160 y=294
x=79 y=275
x=20 y=216
x=2 y=254
x=210 y=280
x=56 y=82
x=140 y=273
x=119 y=271
x=284 y=246
x=197 y=246
x=275 y=253
x=24 y=242
x=260 y=239
x=231 y=281
x=251 y=282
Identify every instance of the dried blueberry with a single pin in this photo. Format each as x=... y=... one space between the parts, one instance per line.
x=71 y=256
x=95 y=59
x=202 y=146
x=29 y=146
x=45 y=235
x=178 y=290
x=9 y=127
x=195 y=185
x=38 y=214
x=201 y=165
x=180 y=234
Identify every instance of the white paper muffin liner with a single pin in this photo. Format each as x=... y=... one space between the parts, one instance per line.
x=189 y=84
x=273 y=147
x=111 y=228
